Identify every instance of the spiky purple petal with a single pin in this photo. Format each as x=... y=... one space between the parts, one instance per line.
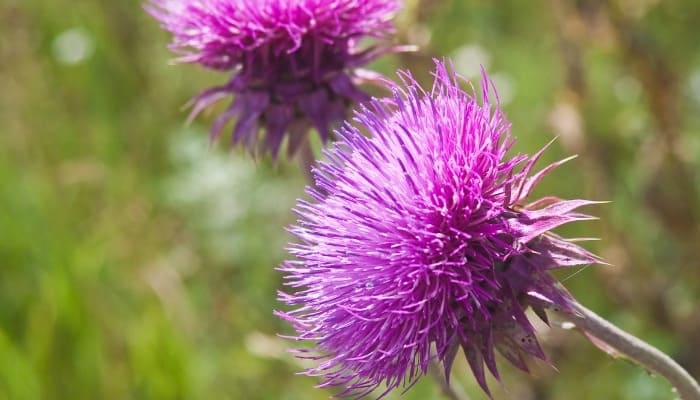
x=417 y=238
x=299 y=55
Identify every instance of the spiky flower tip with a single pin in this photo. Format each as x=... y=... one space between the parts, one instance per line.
x=294 y=62
x=418 y=241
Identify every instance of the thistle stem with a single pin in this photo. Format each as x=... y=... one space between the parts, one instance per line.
x=642 y=353
x=307 y=160
x=450 y=392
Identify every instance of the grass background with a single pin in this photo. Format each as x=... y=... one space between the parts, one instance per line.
x=137 y=261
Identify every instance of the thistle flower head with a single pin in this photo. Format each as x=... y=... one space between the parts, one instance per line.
x=418 y=241
x=293 y=61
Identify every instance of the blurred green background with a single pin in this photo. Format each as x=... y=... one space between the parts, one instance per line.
x=137 y=260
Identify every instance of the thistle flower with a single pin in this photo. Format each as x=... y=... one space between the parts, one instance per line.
x=293 y=62
x=418 y=241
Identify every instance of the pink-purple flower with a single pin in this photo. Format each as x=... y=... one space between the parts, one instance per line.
x=293 y=62
x=420 y=240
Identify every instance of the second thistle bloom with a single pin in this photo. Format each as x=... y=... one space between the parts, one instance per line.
x=293 y=62
x=419 y=240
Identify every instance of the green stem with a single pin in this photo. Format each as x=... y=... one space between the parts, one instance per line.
x=451 y=392
x=644 y=354
x=307 y=160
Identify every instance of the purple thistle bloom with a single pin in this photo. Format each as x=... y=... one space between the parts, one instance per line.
x=418 y=242
x=293 y=61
